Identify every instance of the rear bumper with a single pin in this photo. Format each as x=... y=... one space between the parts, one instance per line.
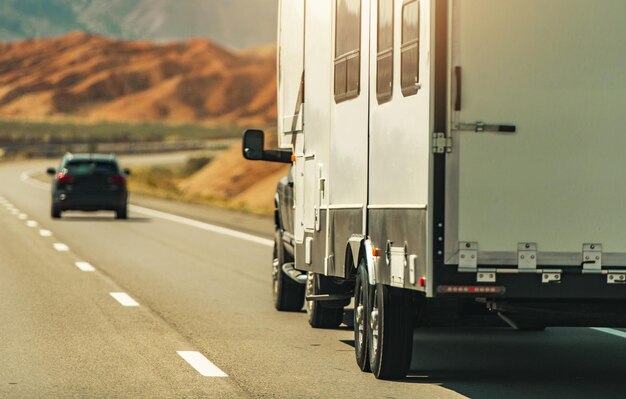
x=573 y=284
x=90 y=201
x=576 y=300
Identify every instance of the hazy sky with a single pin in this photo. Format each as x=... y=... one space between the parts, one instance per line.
x=235 y=23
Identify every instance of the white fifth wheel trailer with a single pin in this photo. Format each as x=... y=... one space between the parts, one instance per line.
x=454 y=162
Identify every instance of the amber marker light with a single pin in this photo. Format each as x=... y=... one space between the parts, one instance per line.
x=293 y=158
x=376 y=251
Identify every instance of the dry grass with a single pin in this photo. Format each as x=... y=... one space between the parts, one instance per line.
x=163 y=181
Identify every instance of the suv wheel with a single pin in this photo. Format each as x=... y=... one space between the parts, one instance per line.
x=55 y=212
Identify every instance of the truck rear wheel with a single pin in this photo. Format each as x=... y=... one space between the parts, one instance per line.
x=121 y=213
x=288 y=294
x=321 y=315
x=390 y=332
x=361 y=318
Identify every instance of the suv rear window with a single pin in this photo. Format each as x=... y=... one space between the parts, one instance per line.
x=89 y=167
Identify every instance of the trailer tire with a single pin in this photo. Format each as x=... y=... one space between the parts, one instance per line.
x=361 y=317
x=321 y=316
x=288 y=295
x=390 y=332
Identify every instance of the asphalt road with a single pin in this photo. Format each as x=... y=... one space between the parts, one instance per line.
x=203 y=325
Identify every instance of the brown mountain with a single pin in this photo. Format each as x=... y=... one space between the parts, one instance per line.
x=100 y=79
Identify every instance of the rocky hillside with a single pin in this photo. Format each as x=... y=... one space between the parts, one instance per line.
x=96 y=78
x=234 y=23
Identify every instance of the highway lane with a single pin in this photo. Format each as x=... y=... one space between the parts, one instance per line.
x=64 y=335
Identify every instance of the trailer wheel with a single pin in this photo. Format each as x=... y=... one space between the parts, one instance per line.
x=288 y=294
x=361 y=318
x=321 y=316
x=390 y=332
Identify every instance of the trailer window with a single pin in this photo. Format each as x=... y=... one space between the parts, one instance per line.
x=347 y=49
x=384 y=61
x=409 y=50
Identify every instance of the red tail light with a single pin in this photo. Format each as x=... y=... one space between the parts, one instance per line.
x=117 y=179
x=64 y=178
x=471 y=289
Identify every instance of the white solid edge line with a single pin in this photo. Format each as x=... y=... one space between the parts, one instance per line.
x=59 y=246
x=610 y=331
x=124 y=299
x=45 y=233
x=85 y=266
x=203 y=226
x=27 y=178
x=202 y=365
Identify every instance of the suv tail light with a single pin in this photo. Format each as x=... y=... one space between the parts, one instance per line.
x=117 y=179
x=64 y=178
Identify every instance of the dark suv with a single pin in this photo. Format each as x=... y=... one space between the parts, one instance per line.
x=89 y=182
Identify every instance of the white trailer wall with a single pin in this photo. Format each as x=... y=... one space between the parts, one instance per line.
x=400 y=128
x=291 y=68
x=349 y=131
x=557 y=70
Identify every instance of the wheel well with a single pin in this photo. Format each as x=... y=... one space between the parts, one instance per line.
x=350 y=268
x=277 y=215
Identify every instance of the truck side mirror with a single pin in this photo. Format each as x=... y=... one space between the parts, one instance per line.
x=51 y=171
x=253 y=144
x=253 y=148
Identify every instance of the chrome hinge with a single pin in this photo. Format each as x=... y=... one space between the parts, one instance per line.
x=441 y=143
x=592 y=258
x=486 y=275
x=616 y=277
x=551 y=276
x=527 y=257
x=468 y=256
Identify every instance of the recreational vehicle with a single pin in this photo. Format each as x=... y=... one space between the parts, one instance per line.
x=455 y=162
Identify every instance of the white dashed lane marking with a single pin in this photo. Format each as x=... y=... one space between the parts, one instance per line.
x=22 y=216
x=85 y=266
x=45 y=233
x=124 y=299
x=59 y=246
x=202 y=365
x=32 y=223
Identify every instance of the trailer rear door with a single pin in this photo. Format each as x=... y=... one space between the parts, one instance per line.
x=556 y=71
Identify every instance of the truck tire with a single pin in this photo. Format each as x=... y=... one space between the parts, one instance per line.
x=288 y=294
x=391 y=332
x=321 y=316
x=361 y=318
x=55 y=212
x=121 y=213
